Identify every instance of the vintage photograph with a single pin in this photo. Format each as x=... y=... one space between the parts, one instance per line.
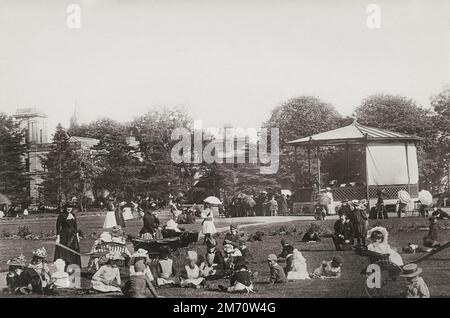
x=247 y=150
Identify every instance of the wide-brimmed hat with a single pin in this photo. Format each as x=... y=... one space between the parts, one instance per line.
x=272 y=257
x=410 y=270
x=40 y=252
x=17 y=261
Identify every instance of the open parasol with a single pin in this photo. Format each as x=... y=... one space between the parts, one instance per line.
x=4 y=200
x=404 y=196
x=212 y=200
x=425 y=197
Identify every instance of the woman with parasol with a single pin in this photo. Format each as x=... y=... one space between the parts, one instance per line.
x=67 y=235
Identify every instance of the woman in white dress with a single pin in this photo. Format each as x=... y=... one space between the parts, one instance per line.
x=298 y=268
x=379 y=237
x=208 y=227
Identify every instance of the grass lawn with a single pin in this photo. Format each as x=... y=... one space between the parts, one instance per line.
x=436 y=269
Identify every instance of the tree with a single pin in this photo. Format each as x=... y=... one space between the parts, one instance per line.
x=61 y=164
x=96 y=129
x=13 y=177
x=297 y=118
x=402 y=114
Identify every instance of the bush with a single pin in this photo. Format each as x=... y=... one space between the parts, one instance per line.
x=24 y=231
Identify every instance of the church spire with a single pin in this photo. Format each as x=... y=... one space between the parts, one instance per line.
x=74 y=117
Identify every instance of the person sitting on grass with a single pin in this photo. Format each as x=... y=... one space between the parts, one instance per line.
x=232 y=237
x=432 y=238
x=416 y=287
x=36 y=277
x=214 y=266
x=343 y=233
x=139 y=285
x=241 y=279
x=277 y=274
x=15 y=268
x=312 y=234
x=329 y=269
x=107 y=278
x=190 y=274
x=379 y=244
x=297 y=269
x=165 y=269
x=439 y=213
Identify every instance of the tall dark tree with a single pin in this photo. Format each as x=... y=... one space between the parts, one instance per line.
x=13 y=177
x=62 y=164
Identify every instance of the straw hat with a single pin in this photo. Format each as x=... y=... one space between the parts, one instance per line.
x=411 y=270
x=272 y=257
x=40 y=252
x=17 y=261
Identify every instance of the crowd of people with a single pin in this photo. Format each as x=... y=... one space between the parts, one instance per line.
x=115 y=269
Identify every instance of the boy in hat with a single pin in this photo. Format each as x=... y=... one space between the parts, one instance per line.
x=329 y=269
x=241 y=280
x=214 y=266
x=432 y=238
x=165 y=269
x=139 y=285
x=141 y=255
x=311 y=235
x=416 y=287
x=231 y=252
x=277 y=275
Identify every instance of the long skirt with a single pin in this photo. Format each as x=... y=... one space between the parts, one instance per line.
x=208 y=227
x=71 y=241
x=110 y=220
x=101 y=287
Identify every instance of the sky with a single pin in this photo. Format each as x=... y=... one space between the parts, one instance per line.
x=227 y=62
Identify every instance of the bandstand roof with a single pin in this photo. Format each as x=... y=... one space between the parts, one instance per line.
x=353 y=134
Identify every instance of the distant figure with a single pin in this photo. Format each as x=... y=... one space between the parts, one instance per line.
x=273 y=207
x=343 y=237
x=380 y=207
x=277 y=274
x=439 y=213
x=432 y=238
x=331 y=207
x=329 y=269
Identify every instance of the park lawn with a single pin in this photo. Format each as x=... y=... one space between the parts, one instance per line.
x=436 y=269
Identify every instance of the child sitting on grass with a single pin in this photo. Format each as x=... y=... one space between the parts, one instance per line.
x=213 y=265
x=165 y=269
x=190 y=274
x=241 y=279
x=312 y=234
x=329 y=269
x=107 y=278
x=277 y=275
x=416 y=287
x=15 y=268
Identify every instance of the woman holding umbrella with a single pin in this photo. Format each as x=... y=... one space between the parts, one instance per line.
x=67 y=235
x=208 y=227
